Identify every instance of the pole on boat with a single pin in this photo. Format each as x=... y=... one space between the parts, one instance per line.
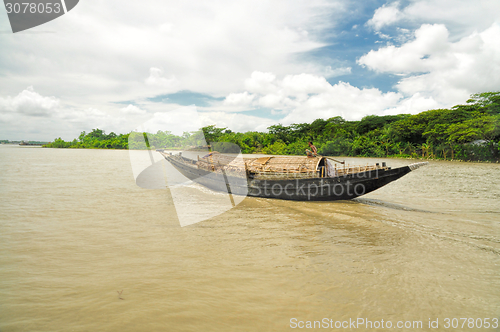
x=335 y=160
x=228 y=187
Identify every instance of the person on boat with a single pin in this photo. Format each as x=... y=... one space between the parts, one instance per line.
x=313 y=152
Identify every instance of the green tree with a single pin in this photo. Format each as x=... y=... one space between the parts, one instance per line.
x=212 y=133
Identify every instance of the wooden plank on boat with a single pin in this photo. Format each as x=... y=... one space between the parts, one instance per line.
x=262 y=160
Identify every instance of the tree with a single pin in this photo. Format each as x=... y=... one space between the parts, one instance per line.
x=488 y=102
x=280 y=132
x=278 y=147
x=212 y=133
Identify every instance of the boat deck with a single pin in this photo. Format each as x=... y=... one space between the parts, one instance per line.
x=282 y=167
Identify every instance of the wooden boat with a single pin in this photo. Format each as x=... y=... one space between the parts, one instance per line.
x=286 y=177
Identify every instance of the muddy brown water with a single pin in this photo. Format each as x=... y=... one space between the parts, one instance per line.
x=75 y=230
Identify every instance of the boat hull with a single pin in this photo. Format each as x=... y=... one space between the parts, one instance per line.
x=299 y=189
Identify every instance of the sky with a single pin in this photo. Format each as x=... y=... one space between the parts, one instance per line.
x=244 y=65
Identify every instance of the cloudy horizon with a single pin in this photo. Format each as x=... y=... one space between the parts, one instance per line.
x=244 y=65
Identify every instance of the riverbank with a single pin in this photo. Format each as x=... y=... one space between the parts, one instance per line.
x=428 y=159
x=179 y=149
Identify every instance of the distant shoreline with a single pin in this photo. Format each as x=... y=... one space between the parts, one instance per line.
x=469 y=132
x=338 y=157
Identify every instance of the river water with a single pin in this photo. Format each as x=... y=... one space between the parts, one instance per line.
x=75 y=230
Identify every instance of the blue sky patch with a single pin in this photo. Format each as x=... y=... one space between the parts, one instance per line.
x=186 y=98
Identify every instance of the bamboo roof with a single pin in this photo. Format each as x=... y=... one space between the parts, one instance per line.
x=263 y=164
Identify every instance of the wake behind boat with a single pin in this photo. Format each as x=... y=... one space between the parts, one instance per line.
x=286 y=177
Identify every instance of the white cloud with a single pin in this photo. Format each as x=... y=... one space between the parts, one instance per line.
x=415 y=104
x=235 y=121
x=436 y=67
x=462 y=17
x=272 y=100
x=106 y=52
x=87 y=116
x=260 y=82
x=204 y=47
x=176 y=121
x=306 y=97
x=285 y=93
x=385 y=15
x=156 y=78
x=304 y=83
x=410 y=57
x=30 y=115
x=238 y=99
x=343 y=99
x=166 y=27
x=30 y=103
x=132 y=109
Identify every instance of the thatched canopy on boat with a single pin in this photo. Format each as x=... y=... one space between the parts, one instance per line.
x=283 y=164
x=264 y=164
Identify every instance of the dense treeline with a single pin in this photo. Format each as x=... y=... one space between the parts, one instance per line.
x=466 y=132
x=96 y=139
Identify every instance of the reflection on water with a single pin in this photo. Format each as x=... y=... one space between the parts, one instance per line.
x=75 y=229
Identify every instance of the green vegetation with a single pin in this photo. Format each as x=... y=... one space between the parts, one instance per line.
x=97 y=139
x=465 y=132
